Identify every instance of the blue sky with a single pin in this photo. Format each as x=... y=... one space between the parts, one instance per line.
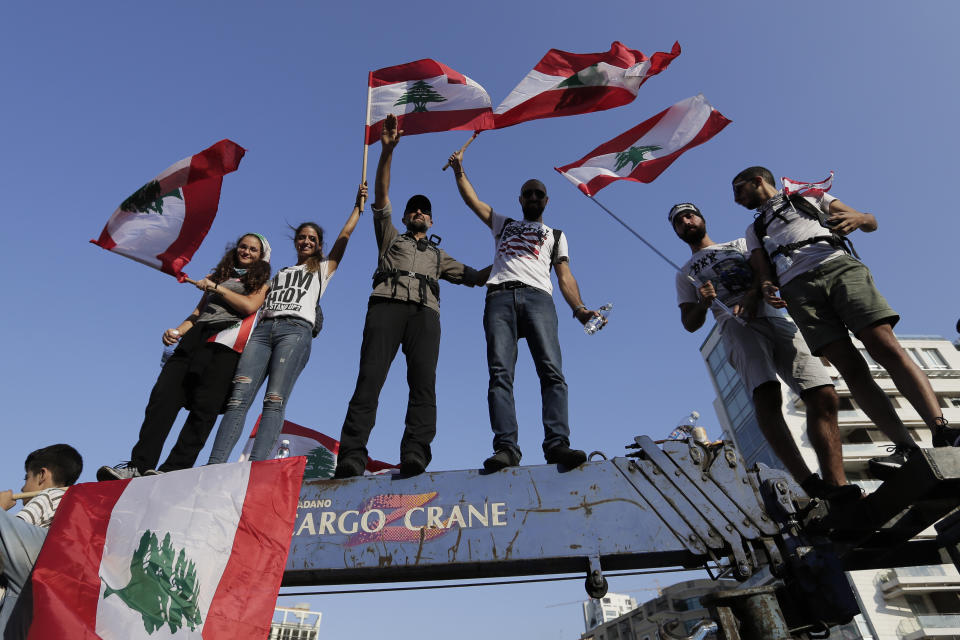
x=100 y=97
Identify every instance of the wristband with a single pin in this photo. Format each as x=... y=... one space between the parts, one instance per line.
x=578 y=307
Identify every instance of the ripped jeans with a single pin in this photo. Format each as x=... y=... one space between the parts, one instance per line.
x=279 y=348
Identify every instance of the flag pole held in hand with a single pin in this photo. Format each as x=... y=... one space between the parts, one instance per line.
x=366 y=146
x=25 y=495
x=463 y=148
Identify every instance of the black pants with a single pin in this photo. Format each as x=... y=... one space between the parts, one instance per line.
x=198 y=376
x=389 y=324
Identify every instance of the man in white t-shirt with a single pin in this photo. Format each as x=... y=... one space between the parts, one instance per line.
x=519 y=304
x=830 y=294
x=49 y=471
x=760 y=345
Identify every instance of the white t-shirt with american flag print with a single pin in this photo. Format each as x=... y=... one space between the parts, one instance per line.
x=523 y=250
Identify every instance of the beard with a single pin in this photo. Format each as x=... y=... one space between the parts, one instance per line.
x=417 y=226
x=692 y=236
x=532 y=213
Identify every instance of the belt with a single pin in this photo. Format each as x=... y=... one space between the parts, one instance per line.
x=509 y=284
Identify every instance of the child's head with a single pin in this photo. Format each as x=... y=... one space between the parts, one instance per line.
x=61 y=461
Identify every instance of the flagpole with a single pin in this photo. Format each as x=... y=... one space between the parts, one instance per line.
x=716 y=301
x=25 y=494
x=366 y=147
x=464 y=147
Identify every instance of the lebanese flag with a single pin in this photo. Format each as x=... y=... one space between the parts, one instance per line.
x=426 y=96
x=809 y=189
x=644 y=152
x=197 y=553
x=565 y=84
x=319 y=449
x=236 y=335
x=163 y=223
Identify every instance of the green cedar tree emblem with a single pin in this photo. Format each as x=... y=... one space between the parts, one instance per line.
x=320 y=463
x=589 y=77
x=163 y=585
x=419 y=95
x=634 y=156
x=148 y=198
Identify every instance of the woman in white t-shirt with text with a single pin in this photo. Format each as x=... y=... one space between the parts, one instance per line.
x=279 y=348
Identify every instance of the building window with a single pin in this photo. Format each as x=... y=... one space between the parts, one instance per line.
x=860 y=435
x=928 y=358
x=870 y=361
x=934 y=359
x=949 y=402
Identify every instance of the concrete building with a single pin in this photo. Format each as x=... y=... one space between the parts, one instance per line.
x=295 y=623
x=596 y=611
x=679 y=602
x=898 y=604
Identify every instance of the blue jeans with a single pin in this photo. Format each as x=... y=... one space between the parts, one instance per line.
x=280 y=348
x=20 y=544
x=529 y=313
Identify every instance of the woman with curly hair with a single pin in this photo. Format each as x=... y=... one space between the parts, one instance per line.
x=280 y=345
x=198 y=374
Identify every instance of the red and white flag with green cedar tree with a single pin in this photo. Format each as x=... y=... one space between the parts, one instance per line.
x=198 y=553
x=319 y=449
x=163 y=223
x=565 y=84
x=645 y=151
x=426 y=96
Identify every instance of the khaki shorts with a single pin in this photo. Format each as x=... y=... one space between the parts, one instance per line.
x=837 y=297
x=768 y=346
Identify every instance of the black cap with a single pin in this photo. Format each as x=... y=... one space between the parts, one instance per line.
x=677 y=209
x=421 y=202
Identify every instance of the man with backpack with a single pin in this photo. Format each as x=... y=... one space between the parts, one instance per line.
x=830 y=294
x=519 y=304
x=760 y=344
x=404 y=309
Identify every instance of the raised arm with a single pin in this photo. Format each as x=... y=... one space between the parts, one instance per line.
x=571 y=293
x=467 y=192
x=845 y=220
x=389 y=138
x=340 y=244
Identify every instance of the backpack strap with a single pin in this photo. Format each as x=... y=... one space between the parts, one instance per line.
x=556 y=247
x=802 y=205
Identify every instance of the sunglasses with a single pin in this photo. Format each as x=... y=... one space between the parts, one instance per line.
x=530 y=193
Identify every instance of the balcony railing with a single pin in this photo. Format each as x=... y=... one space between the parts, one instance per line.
x=924 y=626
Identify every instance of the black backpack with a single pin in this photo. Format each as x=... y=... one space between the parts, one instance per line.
x=803 y=206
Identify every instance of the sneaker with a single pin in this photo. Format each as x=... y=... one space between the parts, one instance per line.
x=412 y=464
x=944 y=435
x=817 y=487
x=123 y=471
x=153 y=472
x=500 y=460
x=562 y=454
x=884 y=466
x=348 y=468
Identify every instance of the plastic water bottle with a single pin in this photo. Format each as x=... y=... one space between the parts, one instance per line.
x=781 y=261
x=167 y=352
x=686 y=427
x=168 y=349
x=283 y=451
x=593 y=324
